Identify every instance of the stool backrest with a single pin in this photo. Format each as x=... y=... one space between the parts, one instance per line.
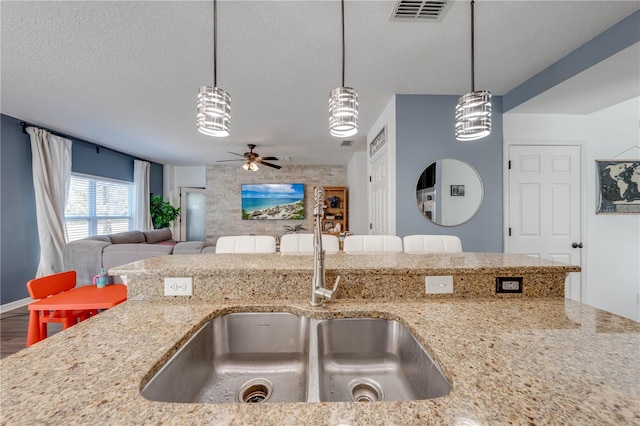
x=246 y=244
x=432 y=244
x=303 y=243
x=49 y=285
x=372 y=244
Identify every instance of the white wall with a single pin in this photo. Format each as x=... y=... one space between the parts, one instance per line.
x=614 y=240
x=611 y=256
x=358 y=193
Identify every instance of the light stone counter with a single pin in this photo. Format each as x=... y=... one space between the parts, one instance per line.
x=522 y=361
x=516 y=360
x=362 y=276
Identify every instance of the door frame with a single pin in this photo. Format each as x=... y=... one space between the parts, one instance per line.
x=183 y=208
x=582 y=144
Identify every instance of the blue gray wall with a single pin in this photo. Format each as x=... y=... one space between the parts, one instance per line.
x=425 y=133
x=19 y=246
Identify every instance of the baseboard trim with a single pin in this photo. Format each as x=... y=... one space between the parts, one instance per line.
x=13 y=305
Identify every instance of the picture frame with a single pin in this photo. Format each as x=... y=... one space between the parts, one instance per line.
x=328 y=226
x=457 y=190
x=272 y=201
x=618 y=191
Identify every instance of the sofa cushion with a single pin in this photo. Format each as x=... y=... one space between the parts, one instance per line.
x=130 y=237
x=188 y=247
x=157 y=235
x=121 y=254
x=104 y=238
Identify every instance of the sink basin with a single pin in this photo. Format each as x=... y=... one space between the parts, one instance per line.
x=282 y=357
x=366 y=359
x=240 y=357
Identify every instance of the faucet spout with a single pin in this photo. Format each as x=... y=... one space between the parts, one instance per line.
x=318 y=292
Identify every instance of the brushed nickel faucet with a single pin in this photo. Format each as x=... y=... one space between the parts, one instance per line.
x=318 y=292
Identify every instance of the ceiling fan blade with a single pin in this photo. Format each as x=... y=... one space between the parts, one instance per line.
x=222 y=161
x=275 y=166
x=235 y=153
x=269 y=158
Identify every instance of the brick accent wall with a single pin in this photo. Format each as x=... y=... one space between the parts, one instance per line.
x=224 y=204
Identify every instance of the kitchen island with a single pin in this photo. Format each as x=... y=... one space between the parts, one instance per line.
x=517 y=360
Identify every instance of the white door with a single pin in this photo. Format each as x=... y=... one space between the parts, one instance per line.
x=379 y=182
x=193 y=214
x=545 y=206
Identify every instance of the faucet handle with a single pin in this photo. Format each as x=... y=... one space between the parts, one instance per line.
x=327 y=294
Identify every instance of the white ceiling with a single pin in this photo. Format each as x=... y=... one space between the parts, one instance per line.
x=124 y=74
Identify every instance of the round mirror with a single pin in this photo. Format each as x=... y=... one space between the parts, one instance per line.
x=449 y=192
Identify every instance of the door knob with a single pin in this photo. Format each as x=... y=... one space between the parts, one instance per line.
x=577 y=245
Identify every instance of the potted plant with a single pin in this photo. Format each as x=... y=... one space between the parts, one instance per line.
x=294 y=229
x=162 y=212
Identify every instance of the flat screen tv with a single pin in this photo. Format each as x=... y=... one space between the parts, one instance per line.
x=273 y=201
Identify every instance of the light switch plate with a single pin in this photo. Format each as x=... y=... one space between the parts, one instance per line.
x=178 y=286
x=439 y=284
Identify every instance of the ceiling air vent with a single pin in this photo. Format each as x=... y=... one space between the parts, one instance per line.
x=416 y=10
x=346 y=143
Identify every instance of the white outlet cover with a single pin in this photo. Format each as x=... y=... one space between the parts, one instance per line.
x=439 y=284
x=178 y=286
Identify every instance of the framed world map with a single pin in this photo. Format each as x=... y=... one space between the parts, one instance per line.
x=618 y=186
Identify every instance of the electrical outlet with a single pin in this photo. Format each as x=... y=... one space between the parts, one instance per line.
x=178 y=286
x=439 y=284
x=508 y=284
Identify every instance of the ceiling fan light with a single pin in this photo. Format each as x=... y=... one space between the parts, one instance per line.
x=343 y=112
x=250 y=166
x=473 y=116
x=214 y=111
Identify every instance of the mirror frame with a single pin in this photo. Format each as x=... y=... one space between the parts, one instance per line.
x=472 y=215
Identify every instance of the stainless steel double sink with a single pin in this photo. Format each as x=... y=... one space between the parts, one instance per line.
x=281 y=357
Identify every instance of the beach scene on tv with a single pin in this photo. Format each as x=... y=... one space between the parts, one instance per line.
x=273 y=201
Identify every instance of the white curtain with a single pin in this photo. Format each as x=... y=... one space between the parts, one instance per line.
x=141 y=203
x=51 y=164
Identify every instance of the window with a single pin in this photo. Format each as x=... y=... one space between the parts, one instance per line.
x=97 y=206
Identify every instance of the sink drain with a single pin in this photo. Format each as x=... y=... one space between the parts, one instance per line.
x=365 y=390
x=255 y=391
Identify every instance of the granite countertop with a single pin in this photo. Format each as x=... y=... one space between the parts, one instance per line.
x=393 y=263
x=363 y=276
x=519 y=361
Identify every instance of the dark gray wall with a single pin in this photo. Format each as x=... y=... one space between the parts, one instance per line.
x=425 y=133
x=19 y=246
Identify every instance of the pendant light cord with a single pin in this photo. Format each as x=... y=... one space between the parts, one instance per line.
x=342 y=43
x=473 y=85
x=215 y=49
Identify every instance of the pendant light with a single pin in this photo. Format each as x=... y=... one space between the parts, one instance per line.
x=473 y=111
x=343 y=104
x=214 y=104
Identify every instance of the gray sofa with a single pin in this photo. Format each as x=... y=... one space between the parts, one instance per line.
x=88 y=256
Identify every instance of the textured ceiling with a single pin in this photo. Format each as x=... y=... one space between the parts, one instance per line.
x=125 y=74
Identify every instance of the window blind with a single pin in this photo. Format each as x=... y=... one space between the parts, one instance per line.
x=97 y=206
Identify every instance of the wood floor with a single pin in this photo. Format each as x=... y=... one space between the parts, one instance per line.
x=13 y=331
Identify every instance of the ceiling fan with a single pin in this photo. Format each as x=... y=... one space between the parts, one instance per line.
x=252 y=159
